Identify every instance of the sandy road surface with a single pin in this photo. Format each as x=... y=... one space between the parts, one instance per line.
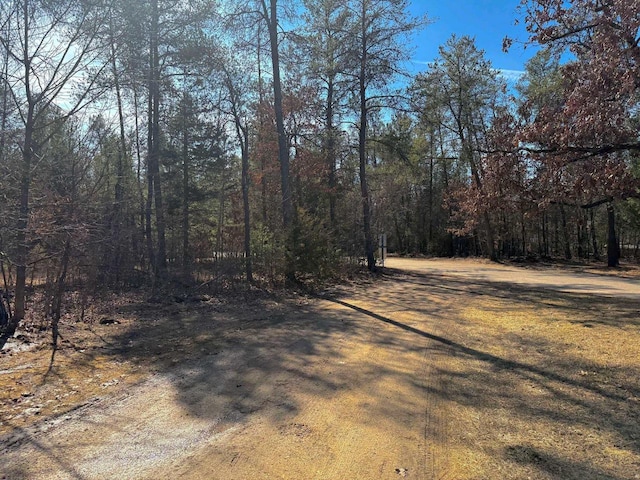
x=543 y=279
x=358 y=385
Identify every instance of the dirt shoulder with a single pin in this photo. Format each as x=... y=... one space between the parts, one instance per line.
x=438 y=369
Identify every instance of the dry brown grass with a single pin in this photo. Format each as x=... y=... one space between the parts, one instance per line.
x=563 y=400
x=540 y=384
x=33 y=389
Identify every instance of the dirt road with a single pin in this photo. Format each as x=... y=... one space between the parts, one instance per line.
x=400 y=378
x=558 y=279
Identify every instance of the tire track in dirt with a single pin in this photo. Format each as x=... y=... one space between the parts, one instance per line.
x=382 y=304
x=374 y=441
x=436 y=423
x=341 y=461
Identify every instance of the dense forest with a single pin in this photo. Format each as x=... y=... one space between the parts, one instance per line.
x=149 y=141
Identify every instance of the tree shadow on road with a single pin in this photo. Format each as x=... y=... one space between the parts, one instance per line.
x=594 y=307
x=536 y=385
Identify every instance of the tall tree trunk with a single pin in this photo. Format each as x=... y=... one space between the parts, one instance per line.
x=143 y=234
x=545 y=235
x=430 y=202
x=263 y=166
x=5 y=100
x=220 y=232
x=556 y=235
x=331 y=153
x=491 y=247
x=246 y=211
x=22 y=248
x=362 y=143
x=565 y=233
x=466 y=137
x=243 y=136
x=451 y=240
x=56 y=308
x=148 y=211
x=582 y=234
x=122 y=148
x=594 y=239
x=523 y=231
x=242 y=133
x=186 y=264
x=154 y=157
x=613 y=250
x=5 y=312
x=490 y=238
x=271 y=16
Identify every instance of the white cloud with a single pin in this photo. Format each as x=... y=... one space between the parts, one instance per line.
x=510 y=75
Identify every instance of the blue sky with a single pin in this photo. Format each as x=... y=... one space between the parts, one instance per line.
x=489 y=21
